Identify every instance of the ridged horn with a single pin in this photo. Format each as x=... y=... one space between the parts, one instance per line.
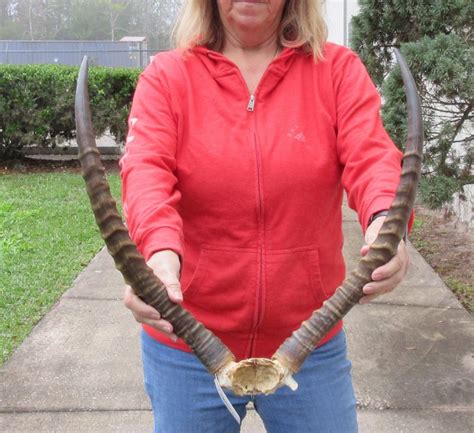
x=299 y=345
x=207 y=347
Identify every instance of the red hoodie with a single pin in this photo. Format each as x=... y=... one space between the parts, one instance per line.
x=248 y=189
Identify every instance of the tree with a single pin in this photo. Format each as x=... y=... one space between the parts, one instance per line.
x=89 y=20
x=436 y=39
x=155 y=19
x=8 y=29
x=32 y=19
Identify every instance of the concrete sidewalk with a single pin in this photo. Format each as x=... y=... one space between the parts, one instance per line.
x=79 y=370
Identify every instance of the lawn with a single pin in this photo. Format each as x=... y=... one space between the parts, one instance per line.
x=47 y=236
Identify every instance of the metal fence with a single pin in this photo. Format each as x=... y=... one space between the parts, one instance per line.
x=129 y=54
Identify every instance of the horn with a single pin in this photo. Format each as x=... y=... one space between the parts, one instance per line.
x=299 y=345
x=256 y=375
x=208 y=348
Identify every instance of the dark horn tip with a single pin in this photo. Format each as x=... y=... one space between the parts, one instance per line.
x=84 y=129
x=83 y=70
x=397 y=53
x=401 y=61
x=85 y=61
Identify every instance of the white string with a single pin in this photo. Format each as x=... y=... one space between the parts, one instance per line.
x=226 y=401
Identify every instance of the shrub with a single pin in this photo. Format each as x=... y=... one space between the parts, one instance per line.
x=436 y=39
x=435 y=191
x=37 y=104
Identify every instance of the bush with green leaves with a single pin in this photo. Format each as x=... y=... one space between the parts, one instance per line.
x=435 y=191
x=37 y=104
x=436 y=38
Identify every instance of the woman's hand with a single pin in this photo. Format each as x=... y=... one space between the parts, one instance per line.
x=166 y=266
x=386 y=277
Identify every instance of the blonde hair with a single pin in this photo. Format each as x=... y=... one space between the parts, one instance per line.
x=302 y=25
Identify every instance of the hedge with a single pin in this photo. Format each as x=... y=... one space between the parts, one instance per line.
x=37 y=104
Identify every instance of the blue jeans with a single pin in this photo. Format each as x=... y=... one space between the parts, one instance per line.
x=184 y=398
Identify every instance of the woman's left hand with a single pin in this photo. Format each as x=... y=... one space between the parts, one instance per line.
x=386 y=277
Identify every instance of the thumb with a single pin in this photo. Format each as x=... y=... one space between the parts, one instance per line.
x=370 y=236
x=173 y=287
x=373 y=230
x=166 y=266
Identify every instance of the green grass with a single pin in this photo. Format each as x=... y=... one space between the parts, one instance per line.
x=47 y=236
x=418 y=223
x=463 y=291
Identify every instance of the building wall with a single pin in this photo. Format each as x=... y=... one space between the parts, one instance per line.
x=463 y=205
x=335 y=19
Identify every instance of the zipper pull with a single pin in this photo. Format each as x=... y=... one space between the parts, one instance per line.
x=251 y=104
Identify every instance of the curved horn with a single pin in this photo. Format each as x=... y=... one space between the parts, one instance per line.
x=259 y=375
x=207 y=347
x=299 y=345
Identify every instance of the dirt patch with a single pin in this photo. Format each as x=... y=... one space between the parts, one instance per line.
x=448 y=246
x=32 y=165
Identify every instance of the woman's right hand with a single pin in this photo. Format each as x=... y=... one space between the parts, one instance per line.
x=166 y=266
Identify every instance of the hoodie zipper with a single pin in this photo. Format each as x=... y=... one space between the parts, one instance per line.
x=259 y=305
x=260 y=295
x=260 y=289
x=251 y=104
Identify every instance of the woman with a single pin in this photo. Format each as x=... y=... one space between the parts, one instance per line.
x=240 y=144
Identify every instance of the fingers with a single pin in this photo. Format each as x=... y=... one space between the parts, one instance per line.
x=146 y=314
x=398 y=265
x=364 y=250
x=386 y=277
x=166 y=266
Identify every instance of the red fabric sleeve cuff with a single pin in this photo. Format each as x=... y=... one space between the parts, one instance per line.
x=163 y=238
x=380 y=204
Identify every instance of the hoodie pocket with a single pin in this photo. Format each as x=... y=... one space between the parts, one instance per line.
x=221 y=292
x=293 y=288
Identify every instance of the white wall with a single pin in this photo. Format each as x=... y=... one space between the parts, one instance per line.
x=463 y=205
x=335 y=18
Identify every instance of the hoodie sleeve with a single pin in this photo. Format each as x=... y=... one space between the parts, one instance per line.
x=149 y=183
x=370 y=159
